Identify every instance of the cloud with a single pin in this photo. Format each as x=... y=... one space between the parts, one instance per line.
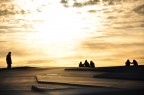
x=139 y=9
x=125 y=27
x=111 y=52
x=3 y=31
x=111 y=17
x=92 y=11
x=6 y=27
x=4 y=1
x=81 y=3
x=8 y=8
x=110 y=46
x=142 y=25
x=39 y=61
x=2 y=41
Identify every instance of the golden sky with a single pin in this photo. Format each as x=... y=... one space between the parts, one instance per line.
x=63 y=33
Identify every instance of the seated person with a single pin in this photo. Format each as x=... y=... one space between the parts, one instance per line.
x=127 y=63
x=135 y=63
x=92 y=64
x=81 y=65
x=86 y=64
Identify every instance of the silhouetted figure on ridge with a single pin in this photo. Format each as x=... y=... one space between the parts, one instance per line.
x=86 y=64
x=127 y=63
x=92 y=64
x=135 y=63
x=8 y=60
x=81 y=65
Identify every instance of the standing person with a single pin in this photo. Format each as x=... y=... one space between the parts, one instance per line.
x=9 y=61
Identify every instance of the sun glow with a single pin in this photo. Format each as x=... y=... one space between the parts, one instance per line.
x=57 y=26
x=52 y=22
x=57 y=29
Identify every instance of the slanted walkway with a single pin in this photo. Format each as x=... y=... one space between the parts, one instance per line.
x=58 y=81
x=89 y=81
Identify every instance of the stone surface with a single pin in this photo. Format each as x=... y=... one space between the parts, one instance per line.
x=57 y=81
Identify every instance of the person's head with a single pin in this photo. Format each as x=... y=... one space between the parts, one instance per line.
x=9 y=53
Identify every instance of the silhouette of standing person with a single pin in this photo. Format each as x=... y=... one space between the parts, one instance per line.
x=92 y=64
x=127 y=63
x=135 y=63
x=9 y=61
x=86 y=64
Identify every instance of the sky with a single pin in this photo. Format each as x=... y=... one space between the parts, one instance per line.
x=65 y=32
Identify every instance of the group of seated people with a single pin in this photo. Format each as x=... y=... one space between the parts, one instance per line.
x=87 y=64
x=127 y=63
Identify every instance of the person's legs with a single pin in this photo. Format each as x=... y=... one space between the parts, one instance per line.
x=9 y=66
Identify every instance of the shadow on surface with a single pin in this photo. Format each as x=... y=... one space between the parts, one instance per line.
x=17 y=68
x=120 y=69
